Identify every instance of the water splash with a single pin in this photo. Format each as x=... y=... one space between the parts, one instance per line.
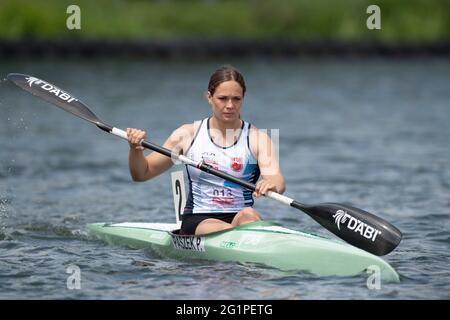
x=53 y=230
x=4 y=215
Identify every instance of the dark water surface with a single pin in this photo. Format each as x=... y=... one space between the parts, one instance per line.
x=373 y=133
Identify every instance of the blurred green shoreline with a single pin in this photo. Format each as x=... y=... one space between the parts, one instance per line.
x=417 y=21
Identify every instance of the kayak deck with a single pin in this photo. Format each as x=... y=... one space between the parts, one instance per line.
x=261 y=242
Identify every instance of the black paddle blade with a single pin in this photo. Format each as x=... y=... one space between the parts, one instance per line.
x=357 y=227
x=54 y=95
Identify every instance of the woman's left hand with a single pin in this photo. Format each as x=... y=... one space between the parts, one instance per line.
x=262 y=187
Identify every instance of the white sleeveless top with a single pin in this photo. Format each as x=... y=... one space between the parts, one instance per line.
x=211 y=194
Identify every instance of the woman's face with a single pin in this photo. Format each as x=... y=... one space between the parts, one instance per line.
x=227 y=101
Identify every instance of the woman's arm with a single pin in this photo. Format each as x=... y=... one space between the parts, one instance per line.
x=144 y=168
x=265 y=153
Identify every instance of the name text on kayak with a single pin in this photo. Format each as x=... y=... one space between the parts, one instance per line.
x=192 y=243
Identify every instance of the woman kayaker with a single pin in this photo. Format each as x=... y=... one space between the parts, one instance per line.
x=227 y=143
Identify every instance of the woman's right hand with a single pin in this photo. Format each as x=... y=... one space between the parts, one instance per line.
x=135 y=136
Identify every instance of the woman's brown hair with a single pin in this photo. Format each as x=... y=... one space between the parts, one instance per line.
x=225 y=73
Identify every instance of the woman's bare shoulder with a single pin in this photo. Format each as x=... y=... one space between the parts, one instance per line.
x=257 y=134
x=187 y=129
x=259 y=141
x=183 y=135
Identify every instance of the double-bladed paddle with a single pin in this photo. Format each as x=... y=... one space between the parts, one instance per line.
x=357 y=227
